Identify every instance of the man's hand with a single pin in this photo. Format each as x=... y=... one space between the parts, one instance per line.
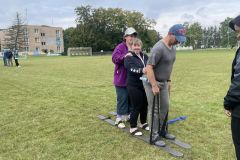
x=227 y=112
x=155 y=89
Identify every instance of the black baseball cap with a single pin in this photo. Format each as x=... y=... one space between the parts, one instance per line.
x=235 y=21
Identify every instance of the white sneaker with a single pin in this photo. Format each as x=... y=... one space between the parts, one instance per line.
x=144 y=126
x=119 y=123
x=135 y=132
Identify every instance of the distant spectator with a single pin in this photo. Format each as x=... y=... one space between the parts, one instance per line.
x=9 y=58
x=16 y=56
x=4 y=57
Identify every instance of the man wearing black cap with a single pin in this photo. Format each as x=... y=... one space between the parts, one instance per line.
x=159 y=68
x=232 y=99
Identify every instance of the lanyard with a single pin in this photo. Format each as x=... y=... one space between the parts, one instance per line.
x=142 y=59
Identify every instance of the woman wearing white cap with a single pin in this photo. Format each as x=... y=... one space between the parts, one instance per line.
x=120 y=77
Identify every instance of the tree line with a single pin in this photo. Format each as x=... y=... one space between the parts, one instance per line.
x=210 y=37
x=103 y=28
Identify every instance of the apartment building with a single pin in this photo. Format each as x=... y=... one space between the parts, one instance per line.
x=40 y=39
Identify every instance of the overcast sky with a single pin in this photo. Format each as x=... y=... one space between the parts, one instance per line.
x=60 y=13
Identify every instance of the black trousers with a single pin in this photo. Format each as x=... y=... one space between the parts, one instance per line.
x=139 y=105
x=235 y=125
x=16 y=62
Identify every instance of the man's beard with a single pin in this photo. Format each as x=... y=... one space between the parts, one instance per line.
x=237 y=30
x=238 y=36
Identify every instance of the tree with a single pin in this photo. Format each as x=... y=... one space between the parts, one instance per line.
x=14 y=38
x=209 y=35
x=228 y=37
x=103 y=29
x=152 y=36
x=194 y=35
x=69 y=38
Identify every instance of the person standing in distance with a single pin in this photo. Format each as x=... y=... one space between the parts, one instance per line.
x=159 y=69
x=120 y=77
x=232 y=99
x=16 y=56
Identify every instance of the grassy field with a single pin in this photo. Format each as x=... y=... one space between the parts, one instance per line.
x=48 y=109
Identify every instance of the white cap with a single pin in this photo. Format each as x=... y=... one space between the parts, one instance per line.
x=130 y=31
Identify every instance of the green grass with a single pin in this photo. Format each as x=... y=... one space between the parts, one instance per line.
x=48 y=109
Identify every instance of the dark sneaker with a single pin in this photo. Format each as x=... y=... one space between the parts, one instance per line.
x=169 y=136
x=160 y=143
x=157 y=141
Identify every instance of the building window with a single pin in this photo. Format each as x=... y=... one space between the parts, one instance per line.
x=25 y=32
x=37 y=40
x=58 y=49
x=43 y=43
x=42 y=34
x=58 y=41
x=37 y=49
x=26 y=40
x=35 y=30
x=57 y=33
x=27 y=49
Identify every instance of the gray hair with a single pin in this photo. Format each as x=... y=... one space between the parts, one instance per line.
x=136 y=41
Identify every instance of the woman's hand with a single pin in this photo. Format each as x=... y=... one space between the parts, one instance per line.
x=128 y=54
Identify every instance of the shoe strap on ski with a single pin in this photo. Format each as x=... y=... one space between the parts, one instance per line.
x=119 y=122
x=145 y=126
x=134 y=132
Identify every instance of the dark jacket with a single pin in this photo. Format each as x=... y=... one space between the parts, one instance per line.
x=120 y=73
x=232 y=99
x=15 y=54
x=9 y=55
x=134 y=67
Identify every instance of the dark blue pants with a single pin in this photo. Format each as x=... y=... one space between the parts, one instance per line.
x=5 y=60
x=123 y=102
